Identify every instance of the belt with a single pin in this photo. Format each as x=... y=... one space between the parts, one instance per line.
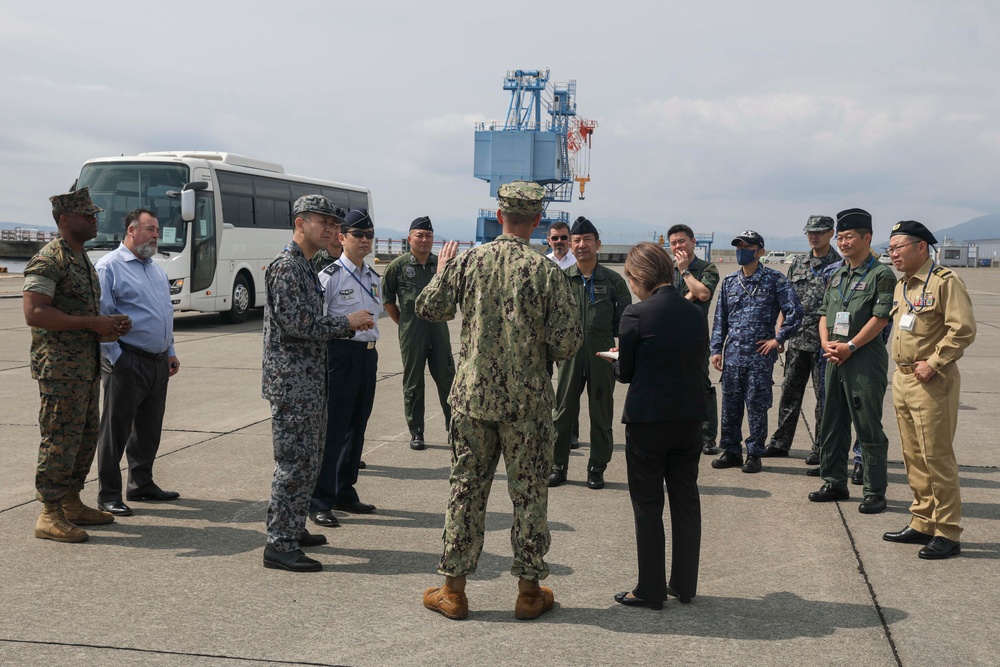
x=357 y=344
x=905 y=369
x=142 y=353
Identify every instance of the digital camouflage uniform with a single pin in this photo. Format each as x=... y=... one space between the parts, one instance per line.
x=420 y=342
x=68 y=369
x=294 y=381
x=856 y=388
x=517 y=311
x=708 y=275
x=803 y=348
x=746 y=313
x=601 y=302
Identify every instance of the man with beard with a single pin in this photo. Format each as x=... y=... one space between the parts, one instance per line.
x=135 y=368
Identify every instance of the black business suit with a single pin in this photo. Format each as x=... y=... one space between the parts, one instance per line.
x=662 y=344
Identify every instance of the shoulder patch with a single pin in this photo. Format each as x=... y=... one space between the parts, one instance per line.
x=331 y=269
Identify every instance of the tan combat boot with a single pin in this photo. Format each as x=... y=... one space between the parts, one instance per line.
x=448 y=600
x=52 y=525
x=78 y=513
x=532 y=600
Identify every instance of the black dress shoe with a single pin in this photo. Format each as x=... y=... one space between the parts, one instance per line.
x=812 y=459
x=417 y=441
x=362 y=465
x=709 y=449
x=828 y=494
x=752 y=464
x=622 y=598
x=728 y=460
x=574 y=442
x=872 y=505
x=858 y=476
x=595 y=479
x=116 y=507
x=293 y=561
x=813 y=472
x=774 y=452
x=940 y=547
x=357 y=507
x=683 y=599
x=325 y=519
x=154 y=493
x=908 y=536
x=557 y=477
x=307 y=539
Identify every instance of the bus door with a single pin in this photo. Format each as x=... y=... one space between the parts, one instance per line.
x=204 y=244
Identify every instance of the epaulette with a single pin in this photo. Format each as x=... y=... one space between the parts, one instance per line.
x=331 y=268
x=941 y=272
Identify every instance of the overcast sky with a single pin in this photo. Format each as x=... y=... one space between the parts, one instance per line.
x=722 y=115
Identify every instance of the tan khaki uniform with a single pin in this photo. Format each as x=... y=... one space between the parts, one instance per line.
x=927 y=412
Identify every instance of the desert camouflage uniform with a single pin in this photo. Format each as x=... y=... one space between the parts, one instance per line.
x=517 y=311
x=294 y=381
x=67 y=367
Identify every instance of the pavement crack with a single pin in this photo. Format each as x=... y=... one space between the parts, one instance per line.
x=871 y=590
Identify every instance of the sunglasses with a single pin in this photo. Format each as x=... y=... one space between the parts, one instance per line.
x=558 y=238
x=358 y=234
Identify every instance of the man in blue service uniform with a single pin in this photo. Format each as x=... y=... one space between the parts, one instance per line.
x=350 y=285
x=421 y=343
x=601 y=295
x=855 y=310
x=296 y=329
x=745 y=347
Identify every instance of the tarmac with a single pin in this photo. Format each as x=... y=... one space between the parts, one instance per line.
x=783 y=581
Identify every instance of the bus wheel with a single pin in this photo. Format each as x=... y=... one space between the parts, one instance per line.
x=240 y=302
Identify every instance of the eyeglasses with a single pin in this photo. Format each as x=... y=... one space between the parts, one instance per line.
x=358 y=234
x=896 y=248
x=559 y=238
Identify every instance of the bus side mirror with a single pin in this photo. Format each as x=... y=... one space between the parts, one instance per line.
x=187 y=199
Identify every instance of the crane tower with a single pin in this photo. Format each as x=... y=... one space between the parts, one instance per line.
x=554 y=152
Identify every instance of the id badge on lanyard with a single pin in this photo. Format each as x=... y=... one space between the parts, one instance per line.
x=907 y=321
x=842 y=324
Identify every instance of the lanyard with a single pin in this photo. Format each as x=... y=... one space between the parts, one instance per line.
x=739 y=277
x=588 y=286
x=840 y=288
x=370 y=290
x=923 y=291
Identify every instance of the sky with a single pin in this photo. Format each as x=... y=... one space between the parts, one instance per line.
x=721 y=115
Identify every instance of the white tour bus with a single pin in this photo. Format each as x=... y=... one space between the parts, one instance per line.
x=223 y=218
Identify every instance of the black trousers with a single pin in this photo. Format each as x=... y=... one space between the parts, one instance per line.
x=350 y=381
x=658 y=453
x=135 y=397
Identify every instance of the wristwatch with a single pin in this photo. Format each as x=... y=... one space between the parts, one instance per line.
x=851 y=346
x=685 y=272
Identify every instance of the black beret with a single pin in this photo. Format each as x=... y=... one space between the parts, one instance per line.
x=854 y=218
x=357 y=219
x=583 y=226
x=422 y=223
x=750 y=237
x=913 y=228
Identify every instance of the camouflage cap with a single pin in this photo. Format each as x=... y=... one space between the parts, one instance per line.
x=317 y=204
x=521 y=198
x=77 y=201
x=818 y=223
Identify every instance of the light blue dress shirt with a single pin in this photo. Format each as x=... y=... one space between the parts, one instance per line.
x=140 y=289
x=348 y=290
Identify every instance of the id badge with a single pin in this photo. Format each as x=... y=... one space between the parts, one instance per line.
x=907 y=321
x=842 y=324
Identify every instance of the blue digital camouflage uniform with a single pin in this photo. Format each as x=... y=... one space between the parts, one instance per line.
x=517 y=311
x=294 y=381
x=746 y=313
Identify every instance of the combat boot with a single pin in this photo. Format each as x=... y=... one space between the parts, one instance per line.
x=52 y=525
x=81 y=515
x=532 y=600
x=448 y=600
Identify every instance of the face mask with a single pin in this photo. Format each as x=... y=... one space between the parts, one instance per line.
x=745 y=256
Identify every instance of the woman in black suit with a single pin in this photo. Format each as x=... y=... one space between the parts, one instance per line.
x=662 y=346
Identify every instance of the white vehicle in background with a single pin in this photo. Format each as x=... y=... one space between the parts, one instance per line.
x=884 y=258
x=789 y=258
x=223 y=218
x=773 y=257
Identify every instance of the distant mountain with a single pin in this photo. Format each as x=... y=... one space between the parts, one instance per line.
x=15 y=225
x=983 y=227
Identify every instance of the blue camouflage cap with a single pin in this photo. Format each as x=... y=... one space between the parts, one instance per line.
x=818 y=223
x=77 y=201
x=317 y=204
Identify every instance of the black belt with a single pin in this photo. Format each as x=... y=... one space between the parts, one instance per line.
x=142 y=353
x=363 y=344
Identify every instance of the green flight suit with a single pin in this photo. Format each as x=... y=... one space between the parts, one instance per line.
x=855 y=389
x=601 y=301
x=708 y=275
x=420 y=342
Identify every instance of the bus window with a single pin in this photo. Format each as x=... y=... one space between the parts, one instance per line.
x=358 y=200
x=204 y=241
x=338 y=197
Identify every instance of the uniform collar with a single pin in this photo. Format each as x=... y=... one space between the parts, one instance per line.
x=430 y=258
x=511 y=237
x=923 y=272
x=598 y=271
x=350 y=266
x=294 y=248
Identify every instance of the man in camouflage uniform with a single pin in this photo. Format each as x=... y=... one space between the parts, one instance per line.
x=324 y=257
x=517 y=311
x=62 y=297
x=806 y=276
x=421 y=343
x=750 y=301
x=294 y=379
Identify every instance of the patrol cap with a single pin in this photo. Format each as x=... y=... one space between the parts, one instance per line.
x=750 y=237
x=818 y=223
x=317 y=204
x=422 y=222
x=854 y=218
x=77 y=201
x=913 y=228
x=521 y=198
x=357 y=219
x=583 y=226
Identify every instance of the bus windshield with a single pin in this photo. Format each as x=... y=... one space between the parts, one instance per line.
x=123 y=186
